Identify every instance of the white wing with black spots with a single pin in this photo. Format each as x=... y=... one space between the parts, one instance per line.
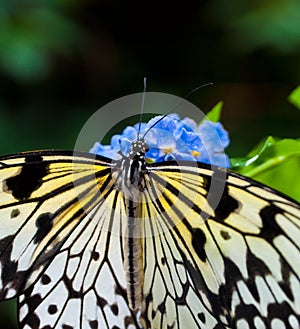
x=230 y=264
x=235 y=267
x=84 y=286
x=35 y=190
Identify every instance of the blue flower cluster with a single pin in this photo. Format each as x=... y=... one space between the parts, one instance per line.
x=172 y=139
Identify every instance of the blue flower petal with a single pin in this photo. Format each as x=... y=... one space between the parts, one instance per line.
x=170 y=138
x=130 y=133
x=115 y=142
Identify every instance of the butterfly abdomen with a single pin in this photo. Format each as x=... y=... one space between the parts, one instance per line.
x=133 y=264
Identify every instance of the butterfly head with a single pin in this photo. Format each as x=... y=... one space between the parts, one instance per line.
x=138 y=150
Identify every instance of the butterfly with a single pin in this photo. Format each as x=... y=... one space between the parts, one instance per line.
x=91 y=242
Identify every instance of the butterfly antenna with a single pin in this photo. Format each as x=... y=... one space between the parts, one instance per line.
x=185 y=97
x=196 y=89
x=142 y=107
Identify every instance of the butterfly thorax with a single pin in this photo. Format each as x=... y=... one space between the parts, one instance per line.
x=131 y=171
x=131 y=182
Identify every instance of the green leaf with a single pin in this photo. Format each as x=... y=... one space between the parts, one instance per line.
x=274 y=162
x=243 y=164
x=294 y=97
x=214 y=114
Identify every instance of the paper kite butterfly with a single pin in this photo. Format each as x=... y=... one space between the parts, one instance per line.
x=91 y=242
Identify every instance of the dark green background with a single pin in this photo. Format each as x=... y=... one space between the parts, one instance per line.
x=62 y=60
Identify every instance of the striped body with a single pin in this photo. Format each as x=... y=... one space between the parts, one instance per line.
x=131 y=179
x=133 y=263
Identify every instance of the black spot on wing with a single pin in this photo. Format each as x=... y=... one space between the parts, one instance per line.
x=93 y=324
x=44 y=225
x=95 y=255
x=115 y=309
x=162 y=308
x=225 y=235
x=101 y=301
x=201 y=317
x=52 y=309
x=45 y=279
x=270 y=228
x=153 y=313
x=14 y=213
x=198 y=242
x=29 y=179
x=226 y=205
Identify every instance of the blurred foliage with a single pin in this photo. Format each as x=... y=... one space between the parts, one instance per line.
x=275 y=161
x=294 y=97
x=271 y=24
x=61 y=60
x=30 y=33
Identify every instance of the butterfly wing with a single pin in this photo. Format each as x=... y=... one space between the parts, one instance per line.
x=218 y=260
x=211 y=259
x=57 y=245
x=84 y=286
